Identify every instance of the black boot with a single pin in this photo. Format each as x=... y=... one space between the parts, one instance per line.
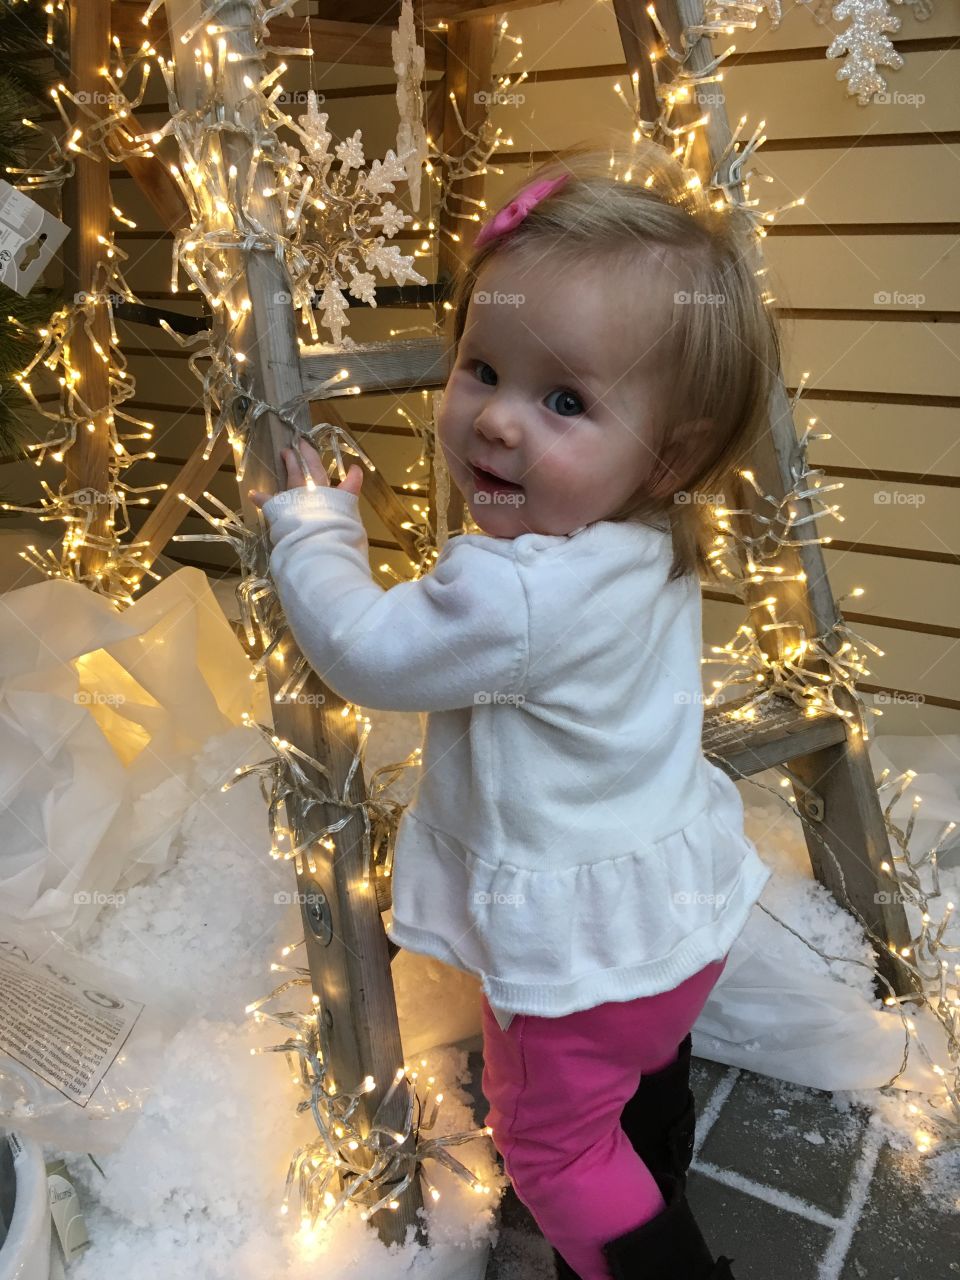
x=659 y=1120
x=667 y=1247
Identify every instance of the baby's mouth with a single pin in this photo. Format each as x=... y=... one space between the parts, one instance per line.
x=487 y=480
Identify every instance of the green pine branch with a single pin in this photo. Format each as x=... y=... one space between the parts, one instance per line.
x=27 y=71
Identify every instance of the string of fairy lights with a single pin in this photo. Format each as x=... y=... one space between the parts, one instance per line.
x=326 y=215
x=119 y=565
x=808 y=669
x=323 y=213
x=795 y=672
x=211 y=251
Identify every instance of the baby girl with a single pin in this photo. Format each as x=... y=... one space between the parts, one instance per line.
x=568 y=842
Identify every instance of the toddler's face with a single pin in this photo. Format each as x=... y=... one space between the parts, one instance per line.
x=557 y=388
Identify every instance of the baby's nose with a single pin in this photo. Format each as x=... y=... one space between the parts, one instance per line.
x=501 y=424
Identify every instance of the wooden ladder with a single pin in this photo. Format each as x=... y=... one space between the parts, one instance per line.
x=346 y=949
x=829 y=766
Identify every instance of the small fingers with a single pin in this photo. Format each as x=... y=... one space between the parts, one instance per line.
x=297 y=480
x=353 y=479
x=308 y=464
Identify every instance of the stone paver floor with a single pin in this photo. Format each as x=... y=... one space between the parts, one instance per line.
x=785 y=1184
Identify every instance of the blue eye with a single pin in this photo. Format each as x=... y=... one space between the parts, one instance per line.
x=579 y=408
x=570 y=396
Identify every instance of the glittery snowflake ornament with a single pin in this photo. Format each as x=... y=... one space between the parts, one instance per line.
x=347 y=217
x=408 y=62
x=865 y=44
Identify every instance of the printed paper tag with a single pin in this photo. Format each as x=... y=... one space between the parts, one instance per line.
x=65 y=1033
x=29 y=237
x=65 y=1211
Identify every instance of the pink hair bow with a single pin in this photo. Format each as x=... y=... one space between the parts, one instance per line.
x=512 y=214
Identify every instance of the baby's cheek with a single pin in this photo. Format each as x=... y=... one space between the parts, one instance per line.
x=455 y=412
x=566 y=465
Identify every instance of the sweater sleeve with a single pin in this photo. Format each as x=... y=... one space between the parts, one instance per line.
x=452 y=638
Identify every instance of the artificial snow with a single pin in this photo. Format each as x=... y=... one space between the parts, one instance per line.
x=195 y=1189
x=782 y=1009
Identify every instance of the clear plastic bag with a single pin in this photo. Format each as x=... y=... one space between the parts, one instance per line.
x=79 y=1047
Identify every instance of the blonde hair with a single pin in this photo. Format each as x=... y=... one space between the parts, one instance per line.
x=723 y=359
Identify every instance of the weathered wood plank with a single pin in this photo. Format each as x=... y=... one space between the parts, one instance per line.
x=780 y=734
x=86 y=210
x=345 y=943
x=356 y=42
x=847 y=846
x=409 y=364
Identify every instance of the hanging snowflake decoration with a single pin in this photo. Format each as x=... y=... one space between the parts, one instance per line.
x=339 y=218
x=720 y=15
x=865 y=45
x=820 y=10
x=408 y=62
x=330 y=200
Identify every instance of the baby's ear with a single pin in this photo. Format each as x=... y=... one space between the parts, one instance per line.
x=681 y=454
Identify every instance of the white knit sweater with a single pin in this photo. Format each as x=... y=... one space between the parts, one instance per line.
x=568 y=841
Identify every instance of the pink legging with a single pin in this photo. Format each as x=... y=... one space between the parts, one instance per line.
x=556 y=1088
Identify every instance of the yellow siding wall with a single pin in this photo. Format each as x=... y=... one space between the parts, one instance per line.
x=881 y=183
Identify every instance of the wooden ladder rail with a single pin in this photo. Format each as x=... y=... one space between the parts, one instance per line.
x=344 y=42
x=376 y=367
x=346 y=947
x=86 y=209
x=842 y=819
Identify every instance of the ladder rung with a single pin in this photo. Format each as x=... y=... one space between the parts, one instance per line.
x=781 y=732
x=408 y=364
